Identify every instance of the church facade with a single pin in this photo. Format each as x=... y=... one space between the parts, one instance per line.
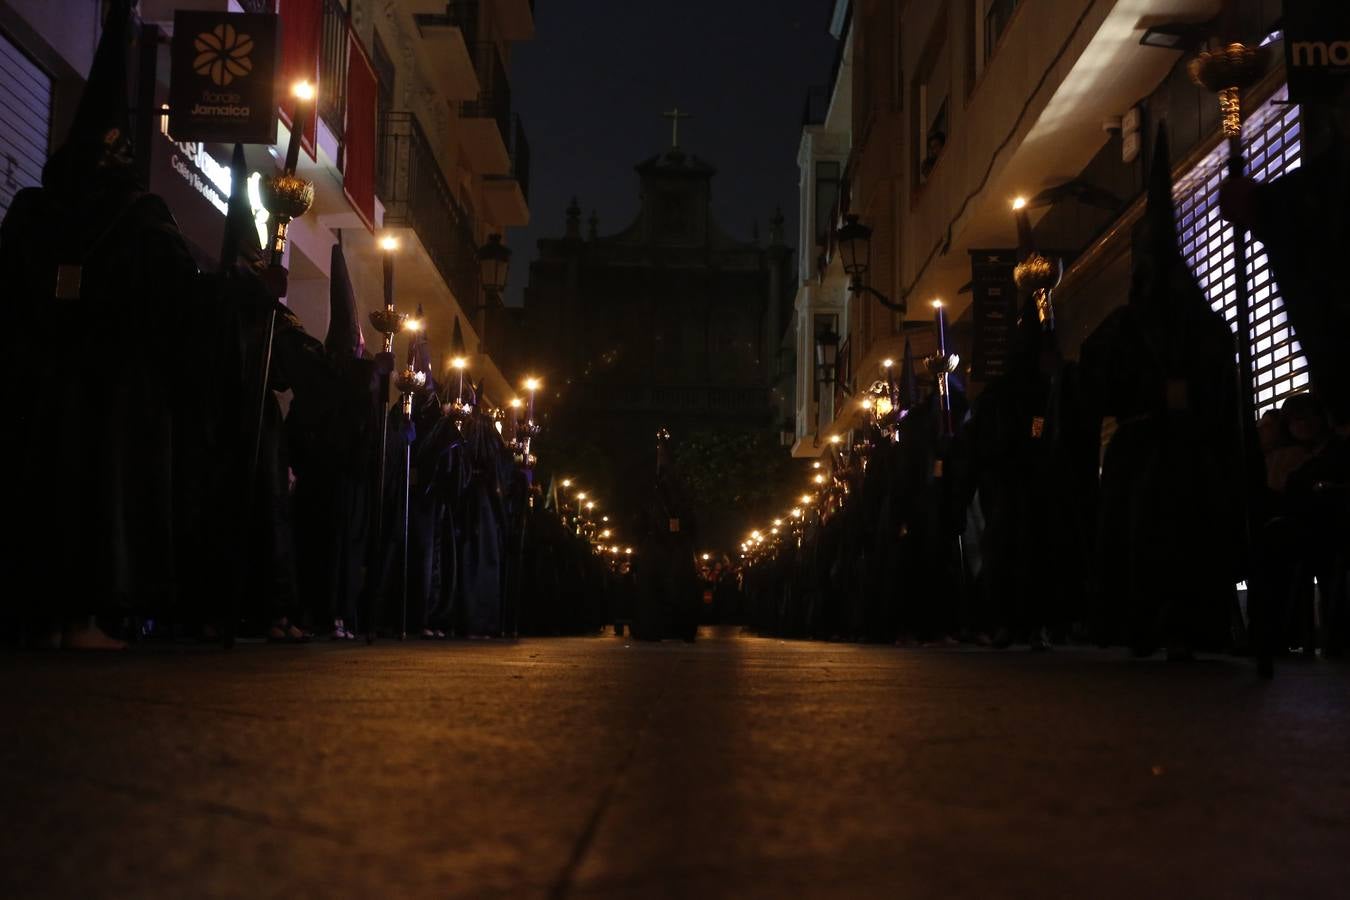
x=668 y=323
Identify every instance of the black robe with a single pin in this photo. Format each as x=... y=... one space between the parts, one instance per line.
x=94 y=385
x=1171 y=534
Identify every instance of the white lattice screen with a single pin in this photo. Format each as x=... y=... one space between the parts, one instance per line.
x=1271 y=138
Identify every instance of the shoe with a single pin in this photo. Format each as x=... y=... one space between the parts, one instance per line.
x=283 y=632
x=1040 y=641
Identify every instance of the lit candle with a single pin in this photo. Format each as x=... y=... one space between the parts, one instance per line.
x=940 y=316
x=531 y=385
x=303 y=93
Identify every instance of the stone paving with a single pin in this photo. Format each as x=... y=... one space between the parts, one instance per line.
x=734 y=767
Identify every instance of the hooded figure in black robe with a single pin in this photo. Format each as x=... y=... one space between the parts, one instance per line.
x=93 y=258
x=932 y=499
x=1171 y=519
x=249 y=523
x=332 y=438
x=482 y=537
x=1023 y=435
x=667 y=604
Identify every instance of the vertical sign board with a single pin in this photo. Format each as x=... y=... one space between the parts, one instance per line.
x=994 y=301
x=223 y=77
x=1316 y=49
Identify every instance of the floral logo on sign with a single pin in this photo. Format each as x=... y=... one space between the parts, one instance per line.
x=223 y=54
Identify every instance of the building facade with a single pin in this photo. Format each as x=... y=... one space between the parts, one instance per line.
x=944 y=112
x=414 y=136
x=669 y=322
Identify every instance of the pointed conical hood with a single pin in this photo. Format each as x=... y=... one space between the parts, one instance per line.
x=241 y=233
x=100 y=134
x=1160 y=277
x=344 y=338
x=1160 y=213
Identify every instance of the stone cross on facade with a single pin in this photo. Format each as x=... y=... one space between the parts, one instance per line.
x=675 y=116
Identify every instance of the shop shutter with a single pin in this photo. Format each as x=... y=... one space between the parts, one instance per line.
x=25 y=121
x=1272 y=147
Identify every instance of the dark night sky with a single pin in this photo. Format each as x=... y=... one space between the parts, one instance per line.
x=593 y=83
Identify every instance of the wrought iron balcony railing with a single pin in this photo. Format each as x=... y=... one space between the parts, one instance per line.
x=333 y=66
x=416 y=195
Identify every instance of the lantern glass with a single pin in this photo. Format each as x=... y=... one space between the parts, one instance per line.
x=855 y=246
x=494 y=262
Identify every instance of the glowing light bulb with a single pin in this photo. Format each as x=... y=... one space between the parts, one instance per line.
x=937 y=304
x=567 y=482
x=836 y=439
x=1020 y=203
x=303 y=90
x=887 y=363
x=533 y=384
x=412 y=325
x=459 y=362
x=388 y=243
x=806 y=499
x=517 y=403
x=819 y=479
x=707 y=557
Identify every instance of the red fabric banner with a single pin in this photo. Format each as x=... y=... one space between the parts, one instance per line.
x=301 y=23
x=358 y=171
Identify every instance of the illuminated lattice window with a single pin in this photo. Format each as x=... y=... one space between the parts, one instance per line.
x=1271 y=139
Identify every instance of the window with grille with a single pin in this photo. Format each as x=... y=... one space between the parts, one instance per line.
x=1271 y=144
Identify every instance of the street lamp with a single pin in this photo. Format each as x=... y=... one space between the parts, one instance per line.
x=854 y=240
x=494 y=263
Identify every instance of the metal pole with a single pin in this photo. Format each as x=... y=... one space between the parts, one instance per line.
x=375 y=578
x=407 y=493
x=1260 y=633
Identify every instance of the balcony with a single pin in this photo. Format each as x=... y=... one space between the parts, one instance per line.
x=416 y=195
x=485 y=122
x=507 y=197
x=333 y=67
x=446 y=32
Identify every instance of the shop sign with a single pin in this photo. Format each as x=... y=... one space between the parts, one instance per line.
x=223 y=77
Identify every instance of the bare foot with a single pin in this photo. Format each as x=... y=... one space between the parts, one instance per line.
x=89 y=637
